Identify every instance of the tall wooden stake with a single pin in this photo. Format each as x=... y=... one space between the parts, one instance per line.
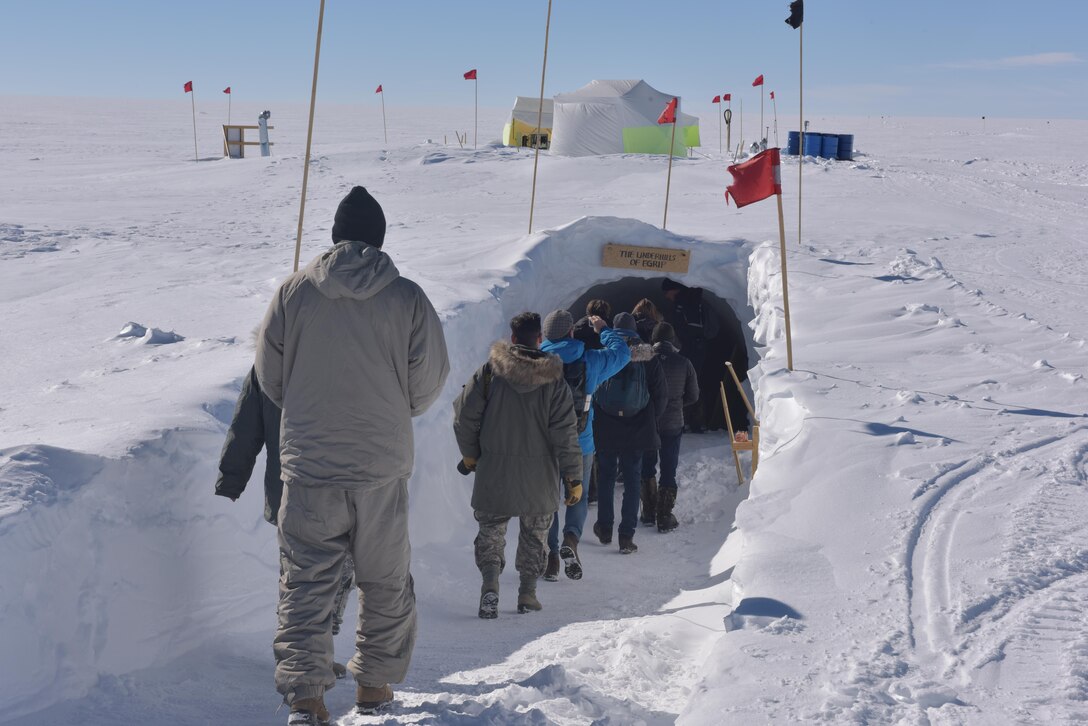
x=785 y=282
x=761 y=92
x=309 y=136
x=475 y=111
x=228 y=108
x=196 y=154
x=385 y=130
x=668 y=179
x=540 y=114
x=774 y=104
x=719 y=127
x=800 y=121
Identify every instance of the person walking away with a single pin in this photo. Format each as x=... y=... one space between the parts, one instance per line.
x=255 y=426
x=695 y=325
x=584 y=370
x=516 y=428
x=683 y=390
x=583 y=331
x=351 y=351
x=624 y=426
x=647 y=316
x=583 y=328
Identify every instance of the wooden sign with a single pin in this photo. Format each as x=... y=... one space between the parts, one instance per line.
x=647 y=259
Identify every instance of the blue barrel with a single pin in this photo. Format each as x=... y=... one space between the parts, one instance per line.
x=846 y=147
x=829 y=148
x=813 y=142
x=793 y=145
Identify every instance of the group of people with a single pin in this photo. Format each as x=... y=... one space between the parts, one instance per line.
x=348 y=352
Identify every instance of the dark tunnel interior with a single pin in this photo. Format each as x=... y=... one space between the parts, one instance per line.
x=728 y=344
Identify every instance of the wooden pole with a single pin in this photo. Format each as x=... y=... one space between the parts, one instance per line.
x=309 y=136
x=228 y=108
x=196 y=154
x=729 y=127
x=540 y=115
x=761 y=94
x=774 y=104
x=385 y=130
x=740 y=389
x=785 y=282
x=801 y=120
x=732 y=435
x=668 y=179
x=719 y=126
x=475 y=111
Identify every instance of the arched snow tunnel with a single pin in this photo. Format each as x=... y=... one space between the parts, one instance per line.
x=563 y=268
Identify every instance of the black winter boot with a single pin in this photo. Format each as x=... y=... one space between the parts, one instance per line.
x=551 y=572
x=666 y=499
x=649 y=501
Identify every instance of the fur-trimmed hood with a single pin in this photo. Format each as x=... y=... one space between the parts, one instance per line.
x=524 y=368
x=640 y=352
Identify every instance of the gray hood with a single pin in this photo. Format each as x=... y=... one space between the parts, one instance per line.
x=353 y=270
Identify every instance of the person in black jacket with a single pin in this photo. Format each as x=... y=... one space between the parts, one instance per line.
x=256 y=425
x=620 y=438
x=683 y=387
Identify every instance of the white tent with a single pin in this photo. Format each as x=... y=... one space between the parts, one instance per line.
x=617 y=117
x=521 y=127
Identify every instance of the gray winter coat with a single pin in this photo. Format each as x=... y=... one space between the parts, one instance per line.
x=682 y=384
x=516 y=418
x=350 y=351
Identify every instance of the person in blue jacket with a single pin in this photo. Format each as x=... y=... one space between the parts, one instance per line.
x=599 y=365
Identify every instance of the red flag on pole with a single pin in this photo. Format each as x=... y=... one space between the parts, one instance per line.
x=756 y=179
x=378 y=89
x=717 y=99
x=188 y=86
x=727 y=96
x=470 y=75
x=772 y=95
x=758 y=81
x=227 y=90
x=668 y=116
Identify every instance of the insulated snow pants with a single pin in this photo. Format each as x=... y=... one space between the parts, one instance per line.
x=318 y=528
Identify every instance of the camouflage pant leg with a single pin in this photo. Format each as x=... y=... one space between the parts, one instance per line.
x=532 y=545
x=347 y=579
x=491 y=541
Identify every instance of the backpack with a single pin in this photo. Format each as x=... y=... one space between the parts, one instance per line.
x=575 y=376
x=624 y=394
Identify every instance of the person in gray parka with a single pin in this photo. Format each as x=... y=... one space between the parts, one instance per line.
x=516 y=428
x=350 y=351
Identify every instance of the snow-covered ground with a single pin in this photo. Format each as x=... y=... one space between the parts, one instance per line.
x=914 y=548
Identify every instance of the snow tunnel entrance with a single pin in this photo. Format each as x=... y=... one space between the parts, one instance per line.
x=724 y=341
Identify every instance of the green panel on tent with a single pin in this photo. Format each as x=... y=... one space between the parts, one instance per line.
x=691 y=135
x=655 y=139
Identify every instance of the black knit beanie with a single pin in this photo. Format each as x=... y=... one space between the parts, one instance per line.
x=663 y=333
x=359 y=218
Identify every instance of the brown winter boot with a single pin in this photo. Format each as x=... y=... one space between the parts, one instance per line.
x=572 y=566
x=371 y=699
x=649 y=501
x=308 y=712
x=551 y=572
x=527 y=601
x=666 y=499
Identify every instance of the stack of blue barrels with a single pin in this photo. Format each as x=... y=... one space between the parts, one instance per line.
x=827 y=146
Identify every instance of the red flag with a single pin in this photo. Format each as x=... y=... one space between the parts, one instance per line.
x=668 y=116
x=758 y=81
x=378 y=89
x=755 y=179
x=188 y=86
x=717 y=99
x=227 y=90
x=470 y=75
x=772 y=95
x=727 y=96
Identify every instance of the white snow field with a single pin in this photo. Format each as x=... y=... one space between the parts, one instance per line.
x=913 y=549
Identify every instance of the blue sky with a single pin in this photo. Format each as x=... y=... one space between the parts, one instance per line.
x=862 y=57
